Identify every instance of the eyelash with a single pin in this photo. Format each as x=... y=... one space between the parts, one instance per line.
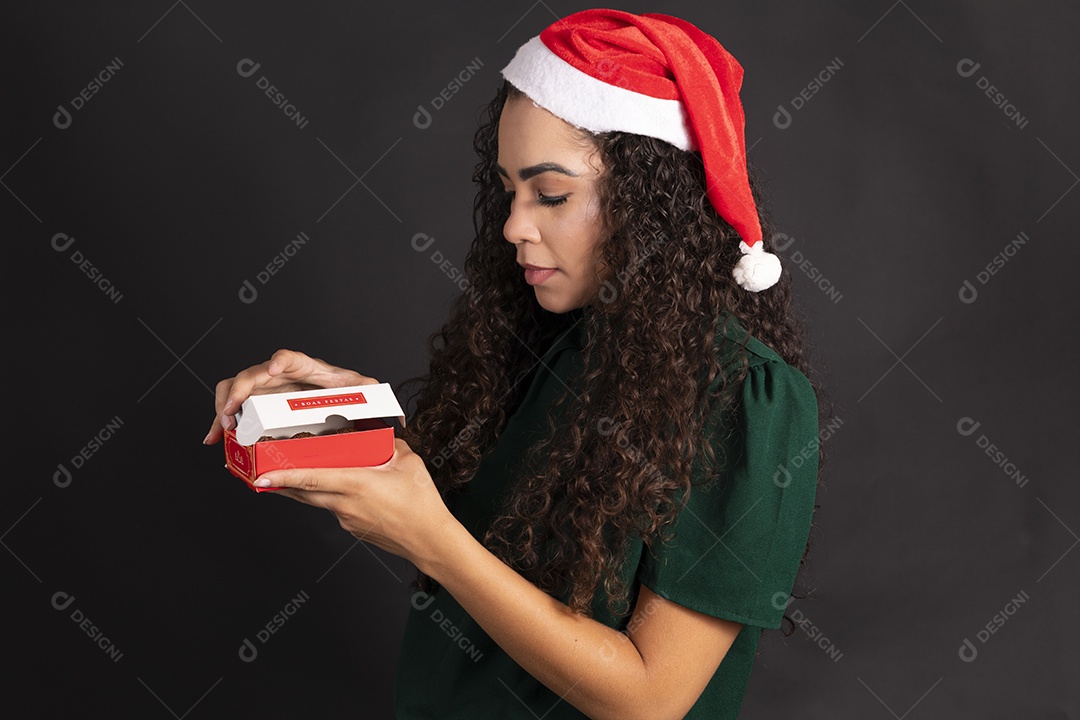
x=551 y=201
x=543 y=199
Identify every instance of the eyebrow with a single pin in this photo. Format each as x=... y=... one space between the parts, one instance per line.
x=534 y=170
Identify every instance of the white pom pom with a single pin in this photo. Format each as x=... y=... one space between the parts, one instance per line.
x=756 y=269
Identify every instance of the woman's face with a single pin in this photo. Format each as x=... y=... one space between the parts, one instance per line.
x=555 y=220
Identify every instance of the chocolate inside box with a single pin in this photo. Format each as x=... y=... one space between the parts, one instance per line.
x=353 y=426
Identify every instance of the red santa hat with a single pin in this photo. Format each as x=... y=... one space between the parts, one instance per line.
x=654 y=75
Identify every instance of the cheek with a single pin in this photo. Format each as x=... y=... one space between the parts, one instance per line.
x=576 y=239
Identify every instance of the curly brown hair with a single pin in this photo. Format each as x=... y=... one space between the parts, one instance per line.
x=633 y=429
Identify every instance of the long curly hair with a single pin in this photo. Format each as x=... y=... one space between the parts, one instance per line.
x=630 y=433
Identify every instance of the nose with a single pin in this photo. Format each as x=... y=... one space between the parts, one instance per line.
x=520 y=226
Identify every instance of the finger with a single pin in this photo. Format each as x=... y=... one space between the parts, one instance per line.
x=318 y=480
x=323 y=374
x=403 y=454
x=221 y=394
x=311 y=372
x=288 y=366
x=242 y=386
x=292 y=364
x=327 y=501
x=409 y=463
x=215 y=432
x=285 y=368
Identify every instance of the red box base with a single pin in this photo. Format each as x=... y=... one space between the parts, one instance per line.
x=363 y=448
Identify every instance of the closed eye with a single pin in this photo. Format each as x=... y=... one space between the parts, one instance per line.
x=551 y=201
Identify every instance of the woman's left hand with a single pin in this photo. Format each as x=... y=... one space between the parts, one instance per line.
x=394 y=506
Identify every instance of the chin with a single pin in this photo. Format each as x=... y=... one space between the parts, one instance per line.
x=558 y=304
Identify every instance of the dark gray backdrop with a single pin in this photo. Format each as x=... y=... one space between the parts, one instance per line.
x=909 y=145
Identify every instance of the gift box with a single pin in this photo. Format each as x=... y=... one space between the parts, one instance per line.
x=342 y=427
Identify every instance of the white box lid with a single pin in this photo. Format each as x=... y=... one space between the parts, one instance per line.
x=278 y=413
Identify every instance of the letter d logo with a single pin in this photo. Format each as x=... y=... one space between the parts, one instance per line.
x=782 y=478
x=967 y=67
x=781 y=600
x=64 y=243
x=424 y=243
x=782 y=241
x=422 y=118
x=968 y=293
x=62 y=118
x=248 y=293
x=247 y=67
x=61 y=600
x=968 y=652
x=608 y=293
x=422 y=600
x=965 y=426
x=62 y=476
x=248 y=652
x=782 y=118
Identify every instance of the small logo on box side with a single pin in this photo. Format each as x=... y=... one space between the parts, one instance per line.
x=326 y=401
x=240 y=459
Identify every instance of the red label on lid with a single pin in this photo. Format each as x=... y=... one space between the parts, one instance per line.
x=326 y=401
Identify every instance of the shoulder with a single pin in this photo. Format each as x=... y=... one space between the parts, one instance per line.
x=732 y=335
x=768 y=374
x=772 y=416
x=758 y=499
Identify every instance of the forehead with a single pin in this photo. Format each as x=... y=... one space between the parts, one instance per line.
x=529 y=135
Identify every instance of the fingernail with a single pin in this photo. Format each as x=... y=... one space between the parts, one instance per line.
x=226 y=422
x=206 y=439
x=262 y=483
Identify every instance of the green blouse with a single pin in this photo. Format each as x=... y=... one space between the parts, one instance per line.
x=734 y=552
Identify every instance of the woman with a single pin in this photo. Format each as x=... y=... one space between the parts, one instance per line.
x=604 y=484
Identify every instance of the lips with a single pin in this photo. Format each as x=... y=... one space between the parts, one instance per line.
x=535 y=274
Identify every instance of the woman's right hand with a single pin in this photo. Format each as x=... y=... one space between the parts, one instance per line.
x=285 y=371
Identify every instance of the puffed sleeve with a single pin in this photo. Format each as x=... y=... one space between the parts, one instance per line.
x=736 y=545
